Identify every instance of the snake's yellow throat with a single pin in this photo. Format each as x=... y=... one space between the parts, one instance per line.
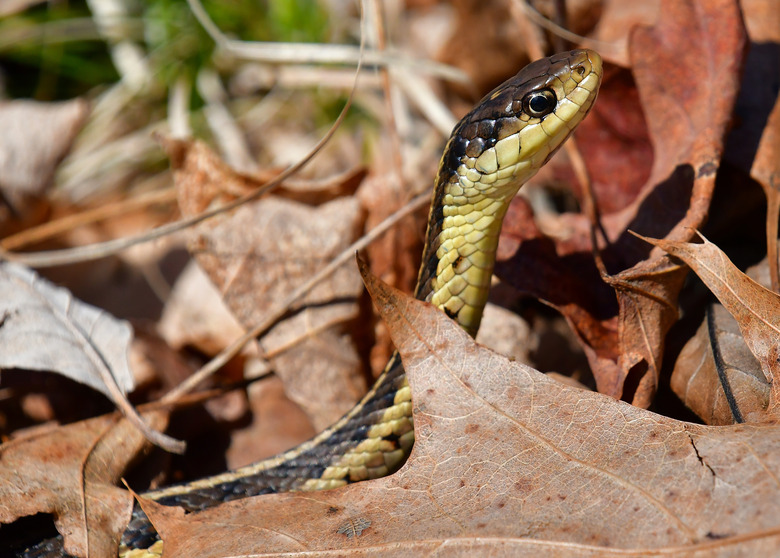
x=493 y=151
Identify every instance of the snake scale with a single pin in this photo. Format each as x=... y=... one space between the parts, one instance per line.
x=491 y=153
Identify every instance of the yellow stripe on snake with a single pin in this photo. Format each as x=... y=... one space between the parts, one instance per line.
x=491 y=153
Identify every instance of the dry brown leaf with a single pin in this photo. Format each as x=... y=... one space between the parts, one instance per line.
x=758 y=92
x=507 y=333
x=195 y=315
x=508 y=461
x=756 y=309
x=690 y=104
x=615 y=143
x=482 y=30
x=257 y=258
x=277 y=425
x=717 y=376
x=617 y=20
x=72 y=472
x=260 y=254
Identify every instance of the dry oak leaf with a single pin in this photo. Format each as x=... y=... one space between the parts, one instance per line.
x=756 y=309
x=509 y=462
x=262 y=253
x=766 y=170
x=71 y=472
x=696 y=102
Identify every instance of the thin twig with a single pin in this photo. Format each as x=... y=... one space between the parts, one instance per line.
x=70 y=222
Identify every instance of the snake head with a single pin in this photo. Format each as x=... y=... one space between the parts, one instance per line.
x=518 y=126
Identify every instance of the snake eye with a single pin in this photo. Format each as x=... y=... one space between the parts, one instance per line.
x=539 y=103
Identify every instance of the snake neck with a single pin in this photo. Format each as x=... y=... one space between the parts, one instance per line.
x=492 y=152
x=460 y=249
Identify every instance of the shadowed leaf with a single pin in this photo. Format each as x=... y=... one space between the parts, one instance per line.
x=756 y=309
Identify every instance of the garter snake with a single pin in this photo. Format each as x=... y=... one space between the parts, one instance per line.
x=491 y=153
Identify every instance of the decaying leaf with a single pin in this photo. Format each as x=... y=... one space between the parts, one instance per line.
x=507 y=333
x=615 y=23
x=480 y=29
x=71 y=472
x=615 y=144
x=260 y=254
x=42 y=327
x=508 y=460
x=717 y=376
x=277 y=425
x=756 y=309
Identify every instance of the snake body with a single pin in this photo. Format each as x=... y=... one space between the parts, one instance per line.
x=491 y=153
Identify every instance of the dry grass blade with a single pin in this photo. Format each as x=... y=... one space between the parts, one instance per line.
x=56 y=227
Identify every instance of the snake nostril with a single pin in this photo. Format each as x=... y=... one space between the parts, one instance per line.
x=580 y=70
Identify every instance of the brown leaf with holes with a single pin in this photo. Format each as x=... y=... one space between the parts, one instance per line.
x=510 y=462
x=691 y=105
x=72 y=472
x=756 y=309
x=258 y=255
